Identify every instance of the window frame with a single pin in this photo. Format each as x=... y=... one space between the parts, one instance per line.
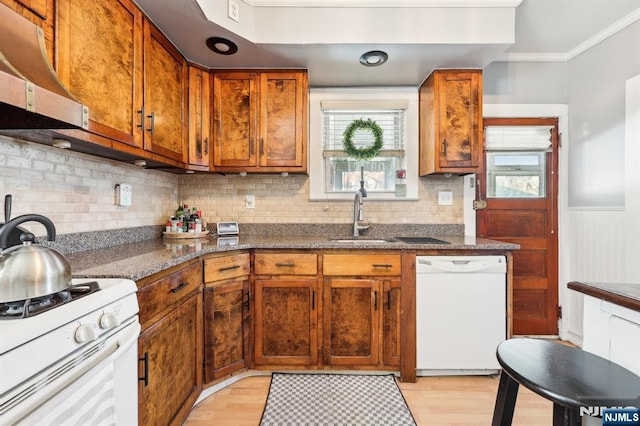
x=377 y=98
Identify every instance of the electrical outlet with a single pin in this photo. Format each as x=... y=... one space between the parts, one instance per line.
x=124 y=194
x=445 y=198
x=234 y=11
x=250 y=201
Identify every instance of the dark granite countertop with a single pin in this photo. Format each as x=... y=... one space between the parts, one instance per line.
x=140 y=259
x=627 y=295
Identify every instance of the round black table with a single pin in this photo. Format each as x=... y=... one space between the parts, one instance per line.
x=568 y=376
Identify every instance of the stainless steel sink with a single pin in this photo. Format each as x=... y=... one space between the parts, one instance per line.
x=420 y=240
x=362 y=240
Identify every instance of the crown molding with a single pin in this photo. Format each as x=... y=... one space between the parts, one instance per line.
x=605 y=34
x=579 y=49
x=532 y=57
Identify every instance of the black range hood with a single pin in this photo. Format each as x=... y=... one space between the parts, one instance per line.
x=31 y=96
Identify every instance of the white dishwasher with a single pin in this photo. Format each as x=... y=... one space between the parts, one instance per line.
x=460 y=313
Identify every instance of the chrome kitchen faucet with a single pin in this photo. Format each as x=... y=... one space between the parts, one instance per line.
x=358 y=212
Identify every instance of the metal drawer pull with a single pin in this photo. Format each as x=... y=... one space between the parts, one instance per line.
x=389 y=300
x=313 y=300
x=229 y=268
x=382 y=265
x=180 y=287
x=152 y=118
x=145 y=374
x=375 y=300
x=247 y=301
x=285 y=265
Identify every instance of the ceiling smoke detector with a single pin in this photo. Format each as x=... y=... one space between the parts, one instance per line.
x=374 y=58
x=222 y=46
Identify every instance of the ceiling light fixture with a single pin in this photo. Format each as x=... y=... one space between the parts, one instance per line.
x=61 y=143
x=222 y=46
x=373 y=58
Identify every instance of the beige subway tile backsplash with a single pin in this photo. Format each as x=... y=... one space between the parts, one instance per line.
x=77 y=192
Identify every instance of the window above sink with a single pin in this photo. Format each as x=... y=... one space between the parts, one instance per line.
x=393 y=173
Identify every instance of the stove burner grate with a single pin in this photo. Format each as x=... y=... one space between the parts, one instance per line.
x=31 y=307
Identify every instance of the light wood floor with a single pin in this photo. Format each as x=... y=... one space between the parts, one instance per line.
x=434 y=401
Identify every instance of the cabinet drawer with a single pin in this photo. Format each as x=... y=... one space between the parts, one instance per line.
x=286 y=264
x=160 y=296
x=365 y=264
x=222 y=268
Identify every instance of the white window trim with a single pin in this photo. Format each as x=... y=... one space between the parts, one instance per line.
x=378 y=96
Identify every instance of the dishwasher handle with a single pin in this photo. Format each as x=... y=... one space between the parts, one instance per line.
x=457 y=265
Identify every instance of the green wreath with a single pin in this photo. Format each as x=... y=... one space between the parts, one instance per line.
x=369 y=151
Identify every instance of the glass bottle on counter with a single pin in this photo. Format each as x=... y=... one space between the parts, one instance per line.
x=185 y=217
x=179 y=212
x=194 y=221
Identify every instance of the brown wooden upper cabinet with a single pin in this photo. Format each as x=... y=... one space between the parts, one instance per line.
x=134 y=81
x=199 y=118
x=260 y=121
x=450 y=130
x=166 y=81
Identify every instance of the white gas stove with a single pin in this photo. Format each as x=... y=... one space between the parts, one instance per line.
x=71 y=354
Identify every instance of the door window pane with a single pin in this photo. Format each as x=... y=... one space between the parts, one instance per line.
x=516 y=174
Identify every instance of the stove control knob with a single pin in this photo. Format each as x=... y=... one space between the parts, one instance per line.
x=86 y=333
x=109 y=320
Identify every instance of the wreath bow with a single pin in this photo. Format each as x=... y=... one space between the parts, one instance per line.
x=368 y=152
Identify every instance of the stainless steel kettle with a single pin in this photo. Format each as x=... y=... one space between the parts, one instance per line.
x=29 y=270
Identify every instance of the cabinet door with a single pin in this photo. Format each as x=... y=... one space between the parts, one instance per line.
x=165 y=96
x=286 y=315
x=226 y=328
x=199 y=117
x=391 y=323
x=235 y=120
x=283 y=119
x=103 y=72
x=460 y=118
x=173 y=348
x=351 y=321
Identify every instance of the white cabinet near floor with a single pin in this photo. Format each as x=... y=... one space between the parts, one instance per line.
x=613 y=332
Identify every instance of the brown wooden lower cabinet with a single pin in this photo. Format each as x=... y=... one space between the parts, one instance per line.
x=170 y=345
x=227 y=314
x=227 y=327
x=172 y=370
x=351 y=321
x=361 y=310
x=286 y=318
x=361 y=322
x=391 y=322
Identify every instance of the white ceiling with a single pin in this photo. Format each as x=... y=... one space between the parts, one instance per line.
x=328 y=36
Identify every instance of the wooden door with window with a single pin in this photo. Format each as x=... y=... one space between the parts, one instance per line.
x=520 y=186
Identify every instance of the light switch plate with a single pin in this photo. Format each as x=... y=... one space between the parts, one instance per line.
x=124 y=195
x=234 y=11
